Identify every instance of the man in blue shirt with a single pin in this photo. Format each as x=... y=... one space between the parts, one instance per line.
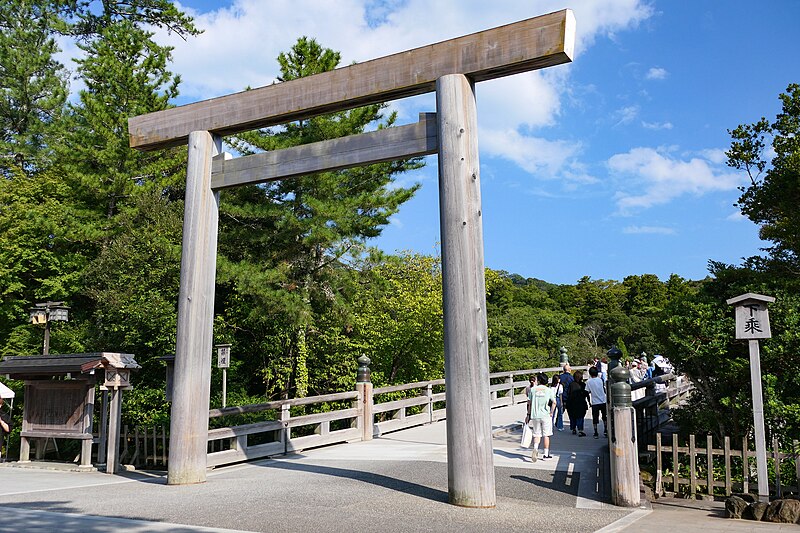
x=565 y=378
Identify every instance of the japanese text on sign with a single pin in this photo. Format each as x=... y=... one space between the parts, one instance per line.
x=752 y=321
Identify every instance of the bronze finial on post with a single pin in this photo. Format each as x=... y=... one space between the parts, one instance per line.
x=620 y=389
x=365 y=402
x=363 y=374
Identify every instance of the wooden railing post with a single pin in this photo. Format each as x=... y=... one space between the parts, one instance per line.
x=115 y=416
x=103 y=431
x=510 y=383
x=284 y=417
x=366 y=399
x=776 y=455
x=429 y=406
x=622 y=446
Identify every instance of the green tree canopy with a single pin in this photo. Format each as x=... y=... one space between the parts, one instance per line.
x=288 y=248
x=769 y=152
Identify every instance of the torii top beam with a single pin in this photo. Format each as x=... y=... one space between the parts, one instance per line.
x=530 y=44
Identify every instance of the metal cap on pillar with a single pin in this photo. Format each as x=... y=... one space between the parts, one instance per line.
x=564 y=357
x=363 y=373
x=620 y=389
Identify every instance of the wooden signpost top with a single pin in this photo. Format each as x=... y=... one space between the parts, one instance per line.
x=752 y=317
x=530 y=44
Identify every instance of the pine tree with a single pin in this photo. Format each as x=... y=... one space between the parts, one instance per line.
x=286 y=245
x=126 y=74
x=33 y=86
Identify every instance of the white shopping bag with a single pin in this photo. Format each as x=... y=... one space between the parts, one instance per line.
x=527 y=436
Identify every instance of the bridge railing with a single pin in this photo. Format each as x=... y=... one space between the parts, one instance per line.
x=282 y=432
x=651 y=408
x=345 y=418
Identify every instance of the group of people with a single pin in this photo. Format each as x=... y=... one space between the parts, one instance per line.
x=547 y=400
x=640 y=370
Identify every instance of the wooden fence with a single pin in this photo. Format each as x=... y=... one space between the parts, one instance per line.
x=286 y=426
x=652 y=406
x=144 y=447
x=420 y=403
x=720 y=471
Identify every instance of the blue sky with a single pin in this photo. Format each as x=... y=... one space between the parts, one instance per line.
x=609 y=166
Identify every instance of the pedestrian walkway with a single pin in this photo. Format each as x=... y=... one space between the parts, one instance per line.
x=396 y=483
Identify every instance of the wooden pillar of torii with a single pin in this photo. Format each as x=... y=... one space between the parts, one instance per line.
x=450 y=68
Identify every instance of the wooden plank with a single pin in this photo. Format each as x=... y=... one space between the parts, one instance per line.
x=387 y=144
x=675 y=464
x=776 y=457
x=659 y=464
x=400 y=404
x=530 y=44
x=163 y=445
x=796 y=452
x=692 y=466
x=125 y=443
x=396 y=424
x=257 y=407
x=237 y=455
x=408 y=386
x=245 y=429
x=102 y=438
x=499 y=387
x=318 y=418
x=313 y=441
x=745 y=467
x=144 y=440
x=56 y=435
x=728 y=489
x=710 y=465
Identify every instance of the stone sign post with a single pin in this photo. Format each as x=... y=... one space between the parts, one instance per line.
x=752 y=324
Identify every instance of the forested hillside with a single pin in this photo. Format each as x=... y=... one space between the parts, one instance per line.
x=300 y=292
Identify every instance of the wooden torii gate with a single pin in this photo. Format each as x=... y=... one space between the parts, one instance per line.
x=450 y=68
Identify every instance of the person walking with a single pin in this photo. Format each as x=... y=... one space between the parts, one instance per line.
x=541 y=406
x=558 y=391
x=565 y=378
x=597 y=390
x=577 y=404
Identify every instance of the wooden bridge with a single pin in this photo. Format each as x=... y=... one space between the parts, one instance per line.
x=282 y=427
x=396 y=481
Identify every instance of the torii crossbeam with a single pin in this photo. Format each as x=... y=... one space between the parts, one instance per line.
x=450 y=68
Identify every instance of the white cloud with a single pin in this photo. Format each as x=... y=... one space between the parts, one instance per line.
x=530 y=100
x=656 y=73
x=626 y=115
x=652 y=230
x=652 y=177
x=240 y=42
x=542 y=158
x=715 y=155
x=736 y=217
x=657 y=125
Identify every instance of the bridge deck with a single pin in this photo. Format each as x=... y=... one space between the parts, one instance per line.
x=397 y=482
